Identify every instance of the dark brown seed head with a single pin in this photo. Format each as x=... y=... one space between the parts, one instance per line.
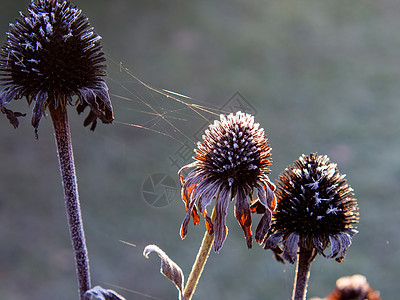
x=315 y=209
x=51 y=54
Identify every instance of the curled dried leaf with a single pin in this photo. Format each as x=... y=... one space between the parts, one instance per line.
x=168 y=267
x=99 y=293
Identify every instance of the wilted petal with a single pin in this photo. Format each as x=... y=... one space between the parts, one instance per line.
x=220 y=229
x=273 y=240
x=202 y=187
x=91 y=119
x=345 y=241
x=181 y=177
x=99 y=103
x=188 y=189
x=257 y=207
x=102 y=294
x=263 y=205
x=335 y=246
x=204 y=200
x=291 y=246
x=261 y=193
x=105 y=112
x=195 y=216
x=88 y=96
x=318 y=245
x=80 y=107
x=263 y=226
x=209 y=223
x=266 y=195
x=208 y=195
x=103 y=93
x=186 y=220
x=8 y=94
x=198 y=190
x=168 y=267
x=271 y=198
x=38 y=109
x=189 y=186
x=242 y=214
x=12 y=116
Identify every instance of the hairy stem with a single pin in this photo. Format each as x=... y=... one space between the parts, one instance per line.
x=304 y=259
x=199 y=263
x=66 y=160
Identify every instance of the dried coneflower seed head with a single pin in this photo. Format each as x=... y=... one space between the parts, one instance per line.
x=51 y=54
x=231 y=162
x=353 y=288
x=315 y=209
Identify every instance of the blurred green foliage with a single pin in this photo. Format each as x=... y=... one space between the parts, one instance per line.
x=323 y=76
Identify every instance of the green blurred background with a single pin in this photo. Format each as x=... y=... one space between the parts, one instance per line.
x=321 y=76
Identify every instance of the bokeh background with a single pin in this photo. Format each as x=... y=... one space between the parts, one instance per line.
x=321 y=76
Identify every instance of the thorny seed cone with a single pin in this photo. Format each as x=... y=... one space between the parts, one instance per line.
x=231 y=162
x=51 y=54
x=315 y=209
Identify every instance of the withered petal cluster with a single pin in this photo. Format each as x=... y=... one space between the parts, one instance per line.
x=231 y=163
x=51 y=55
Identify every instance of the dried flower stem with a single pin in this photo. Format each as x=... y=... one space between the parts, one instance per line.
x=66 y=160
x=304 y=259
x=199 y=263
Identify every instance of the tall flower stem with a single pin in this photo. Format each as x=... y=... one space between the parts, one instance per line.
x=59 y=117
x=199 y=263
x=304 y=259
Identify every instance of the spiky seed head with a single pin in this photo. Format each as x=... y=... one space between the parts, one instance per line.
x=232 y=161
x=234 y=149
x=51 y=54
x=315 y=209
